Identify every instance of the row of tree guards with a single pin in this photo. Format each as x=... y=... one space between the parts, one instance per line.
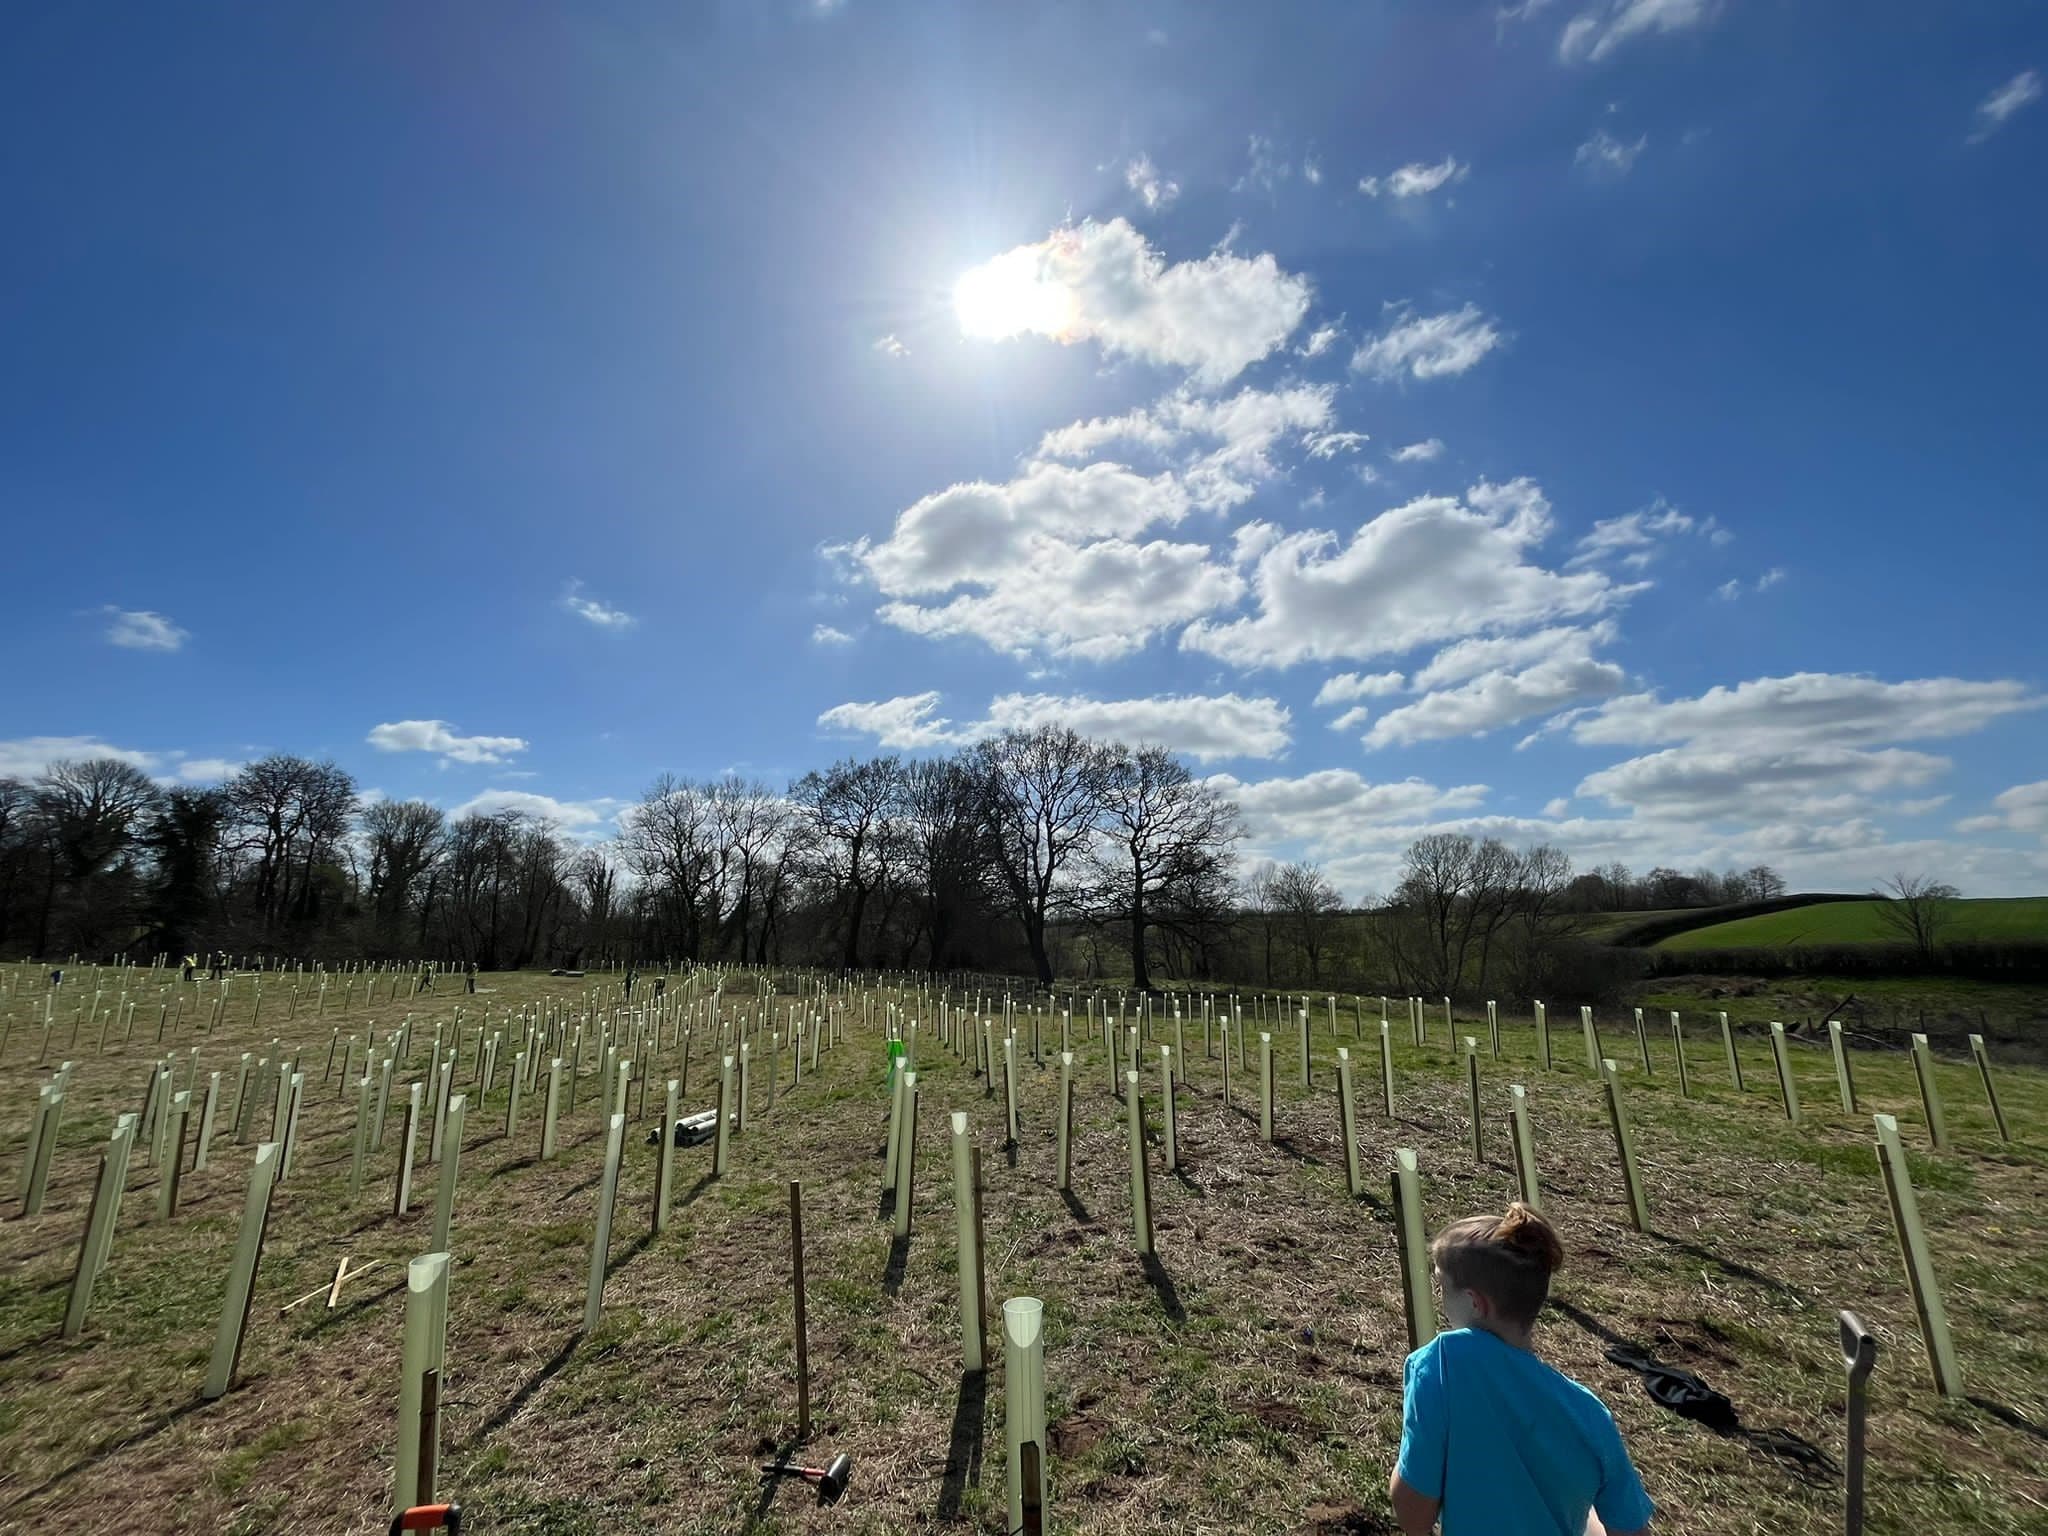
x=434 y=1114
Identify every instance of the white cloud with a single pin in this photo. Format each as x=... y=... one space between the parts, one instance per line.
x=1430 y=571
x=592 y=611
x=906 y=722
x=1428 y=449
x=1205 y=727
x=1345 y=687
x=1327 y=445
x=1154 y=190
x=27 y=756
x=889 y=346
x=2023 y=808
x=1224 y=447
x=1557 y=807
x=1733 y=588
x=1320 y=340
x=825 y=634
x=1596 y=33
x=1770 y=578
x=1430 y=346
x=1053 y=530
x=1729 y=590
x=584 y=820
x=1476 y=657
x=1497 y=698
x=1416 y=179
x=142 y=630
x=1698 y=782
x=1214 y=316
x=206 y=770
x=1333 y=805
x=1634 y=538
x=2022 y=90
x=1605 y=153
x=439 y=736
x=1352 y=718
x=1809 y=708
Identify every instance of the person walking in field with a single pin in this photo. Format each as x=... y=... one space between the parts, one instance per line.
x=1494 y=1442
x=425 y=981
x=469 y=972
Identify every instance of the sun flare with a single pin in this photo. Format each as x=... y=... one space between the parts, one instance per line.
x=1012 y=294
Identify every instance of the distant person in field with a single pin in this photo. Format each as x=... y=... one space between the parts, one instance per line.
x=631 y=977
x=425 y=983
x=1493 y=1441
x=470 y=973
x=660 y=985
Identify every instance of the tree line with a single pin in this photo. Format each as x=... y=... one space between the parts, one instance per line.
x=1033 y=853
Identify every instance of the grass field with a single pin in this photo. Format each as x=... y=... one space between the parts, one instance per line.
x=1981 y=920
x=1247 y=1382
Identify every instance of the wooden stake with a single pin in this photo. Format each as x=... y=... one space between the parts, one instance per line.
x=1845 y=1084
x=1930 y=1094
x=1734 y=1061
x=1065 y=1149
x=1141 y=1180
x=1525 y=1146
x=1347 y=1116
x=796 y=1282
x=1990 y=1088
x=1266 y=1087
x=1788 y=1090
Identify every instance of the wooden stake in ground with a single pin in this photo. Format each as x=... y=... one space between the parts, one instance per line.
x=1347 y=1116
x=1010 y=1083
x=207 y=1112
x=362 y=1137
x=1524 y=1140
x=1983 y=1058
x=401 y=1199
x=451 y=1158
x=1167 y=1116
x=234 y=1312
x=1643 y=1044
x=1064 y=1152
x=1543 y=1036
x=1417 y=1299
x=171 y=1174
x=553 y=1106
x=721 y=1144
x=664 y=1176
x=1387 y=1066
x=1930 y=1094
x=1898 y=1185
x=796 y=1286
x=43 y=1147
x=1593 y=1057
x=1302 y=1021
x=966 y=1215
x=1678 y=1051
x=1734 y=1061
x=99 y=1220
x=601 y=1242
x=1625 y=1148
x=906 y=1157
x=1845 y=1083
x=419 y=1384
x=1024 y=1410
x=1266 y=1087
x=1141 y=1179
x=1788 y=1090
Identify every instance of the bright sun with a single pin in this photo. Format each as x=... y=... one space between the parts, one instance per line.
x=1010 y=295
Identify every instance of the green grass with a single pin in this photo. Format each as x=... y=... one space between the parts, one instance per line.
x=1984 y=920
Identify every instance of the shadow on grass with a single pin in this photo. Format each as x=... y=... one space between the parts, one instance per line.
x=1295 y=1150
x=1730 y=1267
x=527 y=1388
x=963 y=1447
x=892 y=1272
x=1075 y=1208
x=703 y=1183
x=2008 y=1417
x=114 y=1447
x=514 y=1166
x=1163 y=1286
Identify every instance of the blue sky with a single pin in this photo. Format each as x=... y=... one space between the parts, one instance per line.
x=1609 y=421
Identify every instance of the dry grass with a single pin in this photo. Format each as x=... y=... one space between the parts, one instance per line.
x=1248 y=1382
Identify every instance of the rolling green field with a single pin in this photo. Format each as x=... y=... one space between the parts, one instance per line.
x=1987 y=920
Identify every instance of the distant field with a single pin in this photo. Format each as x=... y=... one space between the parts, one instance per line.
x=1603 y=925
x=1985 y=920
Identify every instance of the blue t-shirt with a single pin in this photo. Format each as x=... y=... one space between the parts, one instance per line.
x=1512 y=1446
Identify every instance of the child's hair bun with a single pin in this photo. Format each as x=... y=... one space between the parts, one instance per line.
x=1525 y=1231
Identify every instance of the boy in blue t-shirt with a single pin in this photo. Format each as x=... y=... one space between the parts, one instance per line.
x=1492 y=1439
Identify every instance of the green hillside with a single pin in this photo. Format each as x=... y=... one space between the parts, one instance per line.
x=1984 y=920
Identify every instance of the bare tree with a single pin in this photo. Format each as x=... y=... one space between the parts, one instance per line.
x=1044 y=790
x=848 y=807
x=1917 y=908
x=1162 y=828
x=403 y=840
x=1308 y=901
